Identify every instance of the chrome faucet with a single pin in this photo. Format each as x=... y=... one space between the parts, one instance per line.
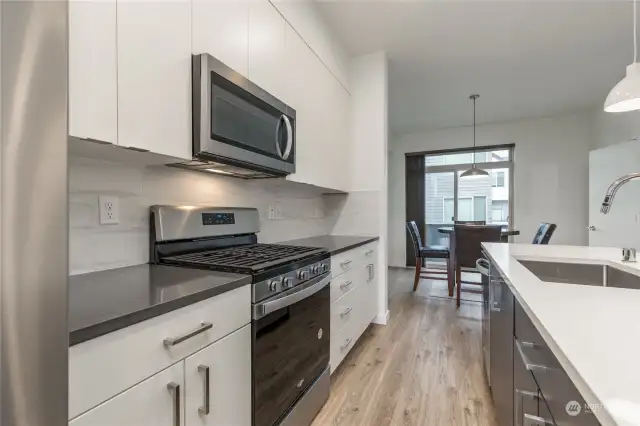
x=611 y=192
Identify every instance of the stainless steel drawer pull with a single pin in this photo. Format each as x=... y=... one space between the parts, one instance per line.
x=345 y=263
x=368 y=252
x=371 y=272
x=528 y=365
x=174 y=390
x=345 y=313
x=346 y=284
x=347 y=342
x=531 y=420
x=520 y=395
x=206 y=407
x=172 y=341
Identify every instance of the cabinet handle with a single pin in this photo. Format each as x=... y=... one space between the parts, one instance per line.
x=172 y=341
x=346 y=284
x=206 y=407
x=531 y=420
x=494 y=307
x=345 y=263
x=371 y=271
x=174 y=390
x=368 y=252
x=520 y=395
x=345 y=313
x=347 y=342
x=528 y=365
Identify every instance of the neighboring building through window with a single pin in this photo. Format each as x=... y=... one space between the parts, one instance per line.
x=498 y=179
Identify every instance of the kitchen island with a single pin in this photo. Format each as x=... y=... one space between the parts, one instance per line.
x=592 y=330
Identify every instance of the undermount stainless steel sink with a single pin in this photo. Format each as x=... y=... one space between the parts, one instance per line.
x=581 y=273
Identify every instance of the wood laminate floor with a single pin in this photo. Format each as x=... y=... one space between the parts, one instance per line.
x=423 y=369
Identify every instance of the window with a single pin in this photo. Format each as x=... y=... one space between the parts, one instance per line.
x=500 y=211
x=480 y=208
x=498 y=179
x=448 y=211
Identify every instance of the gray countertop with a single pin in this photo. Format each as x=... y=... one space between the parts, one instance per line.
x=334 y=243
x=106 y=301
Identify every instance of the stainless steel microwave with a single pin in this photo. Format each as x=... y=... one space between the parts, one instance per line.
x=238 y=128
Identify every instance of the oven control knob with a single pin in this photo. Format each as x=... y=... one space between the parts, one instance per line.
x=323 y=267
x=273 y=285
x=303 y=275
x=315 y=269
x=287 y=282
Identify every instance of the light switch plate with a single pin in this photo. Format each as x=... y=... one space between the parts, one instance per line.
x=109 y=210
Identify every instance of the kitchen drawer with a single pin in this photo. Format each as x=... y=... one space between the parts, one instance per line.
x=341 y=343
x=105 y=366
x=347 y=260
x=346 y=309
x=369 y=252
x=344 y=262
x=345 y=283
x=553 y=382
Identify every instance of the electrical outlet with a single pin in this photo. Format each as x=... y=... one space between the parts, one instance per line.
x=272 y=213
x=109 y=210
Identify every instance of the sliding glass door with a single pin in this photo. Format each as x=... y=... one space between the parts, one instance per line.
x=449 y=197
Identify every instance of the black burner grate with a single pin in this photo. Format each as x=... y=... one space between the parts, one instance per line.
x=249 y=258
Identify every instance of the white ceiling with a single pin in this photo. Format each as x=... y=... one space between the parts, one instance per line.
x=525 y=58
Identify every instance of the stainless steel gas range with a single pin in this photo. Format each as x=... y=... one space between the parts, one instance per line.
x=291 y=302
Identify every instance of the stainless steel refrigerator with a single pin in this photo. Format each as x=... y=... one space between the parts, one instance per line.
x=33 y=213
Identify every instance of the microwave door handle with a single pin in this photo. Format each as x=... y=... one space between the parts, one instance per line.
x=277 y=138
x=287 y=124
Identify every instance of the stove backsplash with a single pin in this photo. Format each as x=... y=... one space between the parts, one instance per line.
x=305 y=211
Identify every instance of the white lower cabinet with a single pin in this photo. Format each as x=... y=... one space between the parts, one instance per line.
x=218 y=382
x=156 y=401
x=354 y=307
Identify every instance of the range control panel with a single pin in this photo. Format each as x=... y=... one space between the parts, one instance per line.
x=218 y=219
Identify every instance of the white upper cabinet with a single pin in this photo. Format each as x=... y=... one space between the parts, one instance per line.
x=93 y=93
x=267 y=52
x=154 y=76
x=221 y=29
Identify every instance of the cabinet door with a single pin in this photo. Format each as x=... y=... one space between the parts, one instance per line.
x=154 y=76
x=156 y=401
x=93 y=92
x=501 y=347
x=218 y=380
x=267 y=67
x=221 y=29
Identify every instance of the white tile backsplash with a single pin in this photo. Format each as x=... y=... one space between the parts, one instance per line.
x=306 y=212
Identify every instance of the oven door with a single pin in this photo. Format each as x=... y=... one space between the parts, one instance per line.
x=237 y=121
x=290 y=347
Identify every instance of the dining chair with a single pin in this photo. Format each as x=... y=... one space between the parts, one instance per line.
x=423 y=252
x=544 y=233
x=468 y=249
x=470 y=222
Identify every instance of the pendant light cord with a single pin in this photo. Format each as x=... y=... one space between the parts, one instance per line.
x=635 y=37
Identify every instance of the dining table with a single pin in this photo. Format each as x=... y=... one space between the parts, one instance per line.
x=449 y=230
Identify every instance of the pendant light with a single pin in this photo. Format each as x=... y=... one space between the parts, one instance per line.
x=625 y=96
x=474 y=171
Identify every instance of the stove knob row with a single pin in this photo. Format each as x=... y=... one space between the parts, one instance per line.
x=303 y=275
x=287 y=282
x=324 y=267
x=273 y=286
x=315 y=269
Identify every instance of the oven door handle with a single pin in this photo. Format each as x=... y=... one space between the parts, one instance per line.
x=288 y=298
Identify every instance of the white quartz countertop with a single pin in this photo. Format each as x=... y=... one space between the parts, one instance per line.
x=593 y=331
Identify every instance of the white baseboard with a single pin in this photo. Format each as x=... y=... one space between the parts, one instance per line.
x=381 y=319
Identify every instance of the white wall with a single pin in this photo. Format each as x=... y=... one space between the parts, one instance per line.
x=551 y=174
x=94 y=247
x=364 y=211
x=612 y=128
